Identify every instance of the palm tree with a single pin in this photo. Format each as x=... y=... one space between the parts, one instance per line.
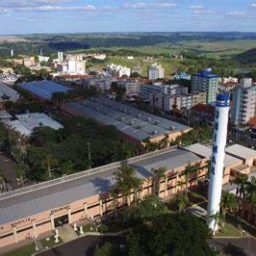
x=187 y=172
x=251 y=191
x=21 y=171
x=126 y=182
x=114 y=194
x=48 y=162
x=182 y=201
x=158 y=174
x=2 y=182
x=241 y=181
x=228 y=203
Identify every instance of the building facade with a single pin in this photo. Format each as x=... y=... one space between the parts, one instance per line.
x=244 y=99
x=118 y=70
x=40 y=209
x=155 y=72
x=206 y=81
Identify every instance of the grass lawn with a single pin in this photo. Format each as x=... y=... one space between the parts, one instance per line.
x=50 y=243
x=24 y=251
x=87 y=228
x=229 y=231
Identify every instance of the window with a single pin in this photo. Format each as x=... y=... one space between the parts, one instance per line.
x=216 y=126
x=215 y=149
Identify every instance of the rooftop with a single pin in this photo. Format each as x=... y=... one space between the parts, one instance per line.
x=131 y=121
x=26 y=123
x=44 y=89
x=206 y=151
x=7 y=93
x=49 y=195
x=241 y=152
x=5 y=115
x=207 y=73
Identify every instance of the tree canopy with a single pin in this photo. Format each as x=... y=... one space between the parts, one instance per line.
x=171 y=234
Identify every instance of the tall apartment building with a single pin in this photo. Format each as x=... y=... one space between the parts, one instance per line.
x=244 y=99
x=60 y=57
x=206 y=81
x=155 y=72
x=76 y=67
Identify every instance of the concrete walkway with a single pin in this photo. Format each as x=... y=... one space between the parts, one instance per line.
x=67 y=233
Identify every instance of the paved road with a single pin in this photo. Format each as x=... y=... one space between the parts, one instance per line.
x=235 y=246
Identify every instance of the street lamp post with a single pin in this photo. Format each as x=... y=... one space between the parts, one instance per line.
x=89 y=154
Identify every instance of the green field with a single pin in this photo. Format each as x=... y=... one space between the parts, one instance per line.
x=211 y=49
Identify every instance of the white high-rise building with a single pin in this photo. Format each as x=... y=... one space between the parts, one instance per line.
x=71 y=66
x=155 y=72
x=76 y=67
x=217 y=161
x=60 y=57
x=80 y=67
x=244 y=99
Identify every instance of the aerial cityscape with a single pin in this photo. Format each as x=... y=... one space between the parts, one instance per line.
x=127 y=128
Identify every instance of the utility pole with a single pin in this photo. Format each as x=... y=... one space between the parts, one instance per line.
x=89 y=154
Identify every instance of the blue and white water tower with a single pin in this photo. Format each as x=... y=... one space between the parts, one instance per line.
x=217 y=161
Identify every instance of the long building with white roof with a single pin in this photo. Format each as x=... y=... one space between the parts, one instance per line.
x=134 y=123
x=26 y=123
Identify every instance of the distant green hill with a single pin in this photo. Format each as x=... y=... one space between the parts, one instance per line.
x=248 y=57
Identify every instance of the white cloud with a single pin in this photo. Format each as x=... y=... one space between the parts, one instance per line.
x=199 y=9
x=253 y=5
x=196 y=7
x=48 y=8
x=143 y=5
x=236 y=14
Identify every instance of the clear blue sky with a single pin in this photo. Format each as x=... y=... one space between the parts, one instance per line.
x=60 y=16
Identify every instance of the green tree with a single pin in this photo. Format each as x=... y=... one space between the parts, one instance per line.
x=2 y=182
x=189 y=170
x=251 y=191
x=126 y=181
x=182 y=200
x=173 y=234
x=134 y=247
x=107 y=250
x=241 y=181
x=158 y=175
x=150 y=208
x=228 y=203
x=48 y=162
x=21 y=172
